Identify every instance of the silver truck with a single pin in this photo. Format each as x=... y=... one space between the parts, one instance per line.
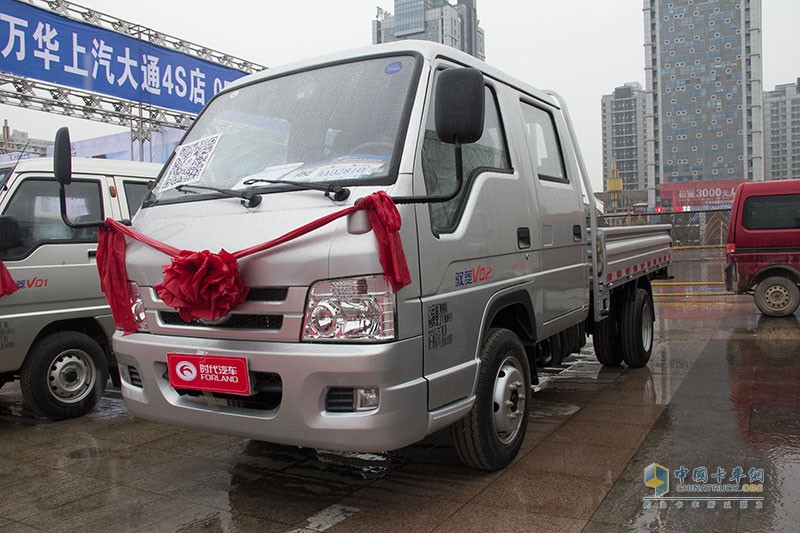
x=55 y=329
x=508 y=267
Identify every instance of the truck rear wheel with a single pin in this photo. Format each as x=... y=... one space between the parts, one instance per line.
x=64 y=375
x=777 y=296
x=490 y=436
x=606 y=339
x=637 y=329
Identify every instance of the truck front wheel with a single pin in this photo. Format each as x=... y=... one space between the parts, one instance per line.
x=490 y=436
x=777 y=296
x=637 y=329
x=64 y=375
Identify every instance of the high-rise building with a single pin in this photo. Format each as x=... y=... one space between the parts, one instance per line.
x=432 y=20
x=623 y=137
x=782 y=131
x=704 y=92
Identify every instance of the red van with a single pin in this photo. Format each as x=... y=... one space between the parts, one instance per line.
x=763 y=249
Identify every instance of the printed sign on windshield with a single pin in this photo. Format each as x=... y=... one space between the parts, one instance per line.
x=189 y=163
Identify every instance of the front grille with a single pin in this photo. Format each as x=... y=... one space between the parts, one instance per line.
x=134 y=378
x=269 y=294
x=235 y=321
x=267 y=394
x=339 y=400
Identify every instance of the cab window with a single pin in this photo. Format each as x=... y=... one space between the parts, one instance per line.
x=135 y=191
x=438 y=163
x=772 y=212
x=36 y=207
x=540 y=133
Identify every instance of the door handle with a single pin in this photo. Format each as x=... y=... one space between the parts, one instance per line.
x=92 y=254
x=523 y=238
x=577 y=233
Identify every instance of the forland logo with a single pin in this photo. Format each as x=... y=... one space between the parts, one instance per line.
x=186 y=371
x=33 y=283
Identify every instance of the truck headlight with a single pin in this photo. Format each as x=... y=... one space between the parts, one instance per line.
x=351 y=309
x=137 y=306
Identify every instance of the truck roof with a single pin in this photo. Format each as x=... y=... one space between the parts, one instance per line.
x=89 y=166
x=429 y=50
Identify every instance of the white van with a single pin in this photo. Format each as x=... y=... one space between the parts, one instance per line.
x=55 y=329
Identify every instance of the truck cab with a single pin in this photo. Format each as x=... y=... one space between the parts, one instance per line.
x=55 y=329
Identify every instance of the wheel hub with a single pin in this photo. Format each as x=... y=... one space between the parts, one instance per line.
x=647 y=326
x=777 y=297
x=71 y=377
x=509 y=400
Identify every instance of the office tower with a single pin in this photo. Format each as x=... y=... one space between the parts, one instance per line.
x=432 y=20
x=623 y=137
x=704 y=93
x=782 y=131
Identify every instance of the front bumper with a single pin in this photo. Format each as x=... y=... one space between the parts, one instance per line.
x=307 y=372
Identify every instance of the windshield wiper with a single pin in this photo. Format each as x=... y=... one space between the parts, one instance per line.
x=249 y=198
x=338 y=192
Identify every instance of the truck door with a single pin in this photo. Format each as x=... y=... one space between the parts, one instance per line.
x=54 y=265
x=562 y=221
x=468 y=246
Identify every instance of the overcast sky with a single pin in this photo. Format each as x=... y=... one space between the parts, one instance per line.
x=580 y=48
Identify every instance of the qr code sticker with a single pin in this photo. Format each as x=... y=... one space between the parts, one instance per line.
x=190 y=161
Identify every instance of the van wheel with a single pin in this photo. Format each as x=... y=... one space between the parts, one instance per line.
x=637 y=329
x=64 y=375
x=777 y=296
x=490 y=436
x=607 y=345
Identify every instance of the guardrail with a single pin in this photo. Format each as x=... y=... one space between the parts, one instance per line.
x=698 y=252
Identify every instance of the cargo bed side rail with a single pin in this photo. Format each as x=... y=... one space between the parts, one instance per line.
x=627 y=253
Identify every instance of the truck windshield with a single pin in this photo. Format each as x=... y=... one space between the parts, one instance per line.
x=334 y=124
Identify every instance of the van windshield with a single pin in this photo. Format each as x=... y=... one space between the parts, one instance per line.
x=341 y=123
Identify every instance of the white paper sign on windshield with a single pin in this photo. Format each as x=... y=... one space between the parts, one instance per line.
x=342 y=168
x=190 y=162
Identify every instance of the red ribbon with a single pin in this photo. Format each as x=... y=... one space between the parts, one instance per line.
x=204 y=285
x=7 y=283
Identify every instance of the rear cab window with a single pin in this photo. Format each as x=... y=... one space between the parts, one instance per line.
x=543 y=143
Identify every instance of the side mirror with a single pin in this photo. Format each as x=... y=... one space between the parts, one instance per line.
x=10 y=233
x=459 y=105
x=62 y=157
x=459 y=108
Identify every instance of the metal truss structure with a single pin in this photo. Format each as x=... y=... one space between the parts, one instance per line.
x=142 y=118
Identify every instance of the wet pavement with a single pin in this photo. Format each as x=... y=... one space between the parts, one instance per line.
x=721 y=393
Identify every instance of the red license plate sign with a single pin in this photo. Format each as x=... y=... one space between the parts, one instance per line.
x=208 y=373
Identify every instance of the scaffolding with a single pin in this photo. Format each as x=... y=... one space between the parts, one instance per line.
x=142 y=119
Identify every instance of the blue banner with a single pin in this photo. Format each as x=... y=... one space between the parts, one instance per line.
x=38 y=44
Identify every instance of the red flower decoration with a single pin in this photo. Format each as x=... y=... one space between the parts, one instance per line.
x=202 y=285
x=7 y=283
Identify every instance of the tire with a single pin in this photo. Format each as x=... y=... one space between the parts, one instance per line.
x=777 y=296
x=637 y=329
x=607 y=343
x=64 y=375
x=490 y=436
